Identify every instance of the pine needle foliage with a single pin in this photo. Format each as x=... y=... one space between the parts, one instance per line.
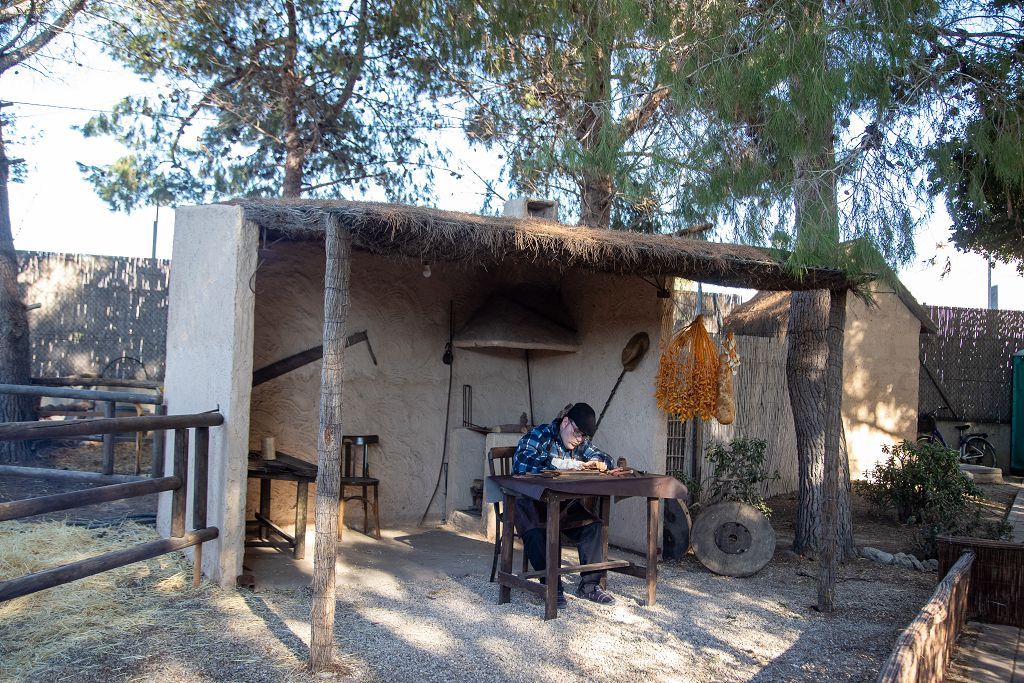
x=266 y=98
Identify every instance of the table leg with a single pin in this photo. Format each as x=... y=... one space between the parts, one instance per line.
x=264 y=507
x=301 y=503
x=508 y=519
x=605 y=503
x=652 y=548
x=554 y=558
x=366 y=518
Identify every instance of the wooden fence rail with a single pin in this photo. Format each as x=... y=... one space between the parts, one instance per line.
x=177 y=483
x=86 y=394
x=97 y=382
x=922 y=651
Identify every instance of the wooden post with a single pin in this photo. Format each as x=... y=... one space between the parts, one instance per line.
x=265 y=498
x=328 y=478
x=828 y=556
x=652 y=549
x=108 y=440
x=301 y=501
x=180 y=495
x=159 y=441
x=605 y=503
x=554 y=556
x=200 y=474
x=507 y=533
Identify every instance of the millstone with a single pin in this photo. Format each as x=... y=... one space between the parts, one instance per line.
x=676 y=531
x=733 y=539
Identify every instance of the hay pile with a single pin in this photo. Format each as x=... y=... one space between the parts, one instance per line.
x=139 y=622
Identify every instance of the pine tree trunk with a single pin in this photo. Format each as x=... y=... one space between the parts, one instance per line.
x=328 y=478
x=829 y=553
x=595 y=182
x=805 y=375
x=15 y=350
x=295 y=148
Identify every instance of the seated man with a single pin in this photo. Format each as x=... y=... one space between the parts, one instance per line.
x=563 y=445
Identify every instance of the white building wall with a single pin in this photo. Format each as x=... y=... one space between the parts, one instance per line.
x=403 y=398
x=209 y=364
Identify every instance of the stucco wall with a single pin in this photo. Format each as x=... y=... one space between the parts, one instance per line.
x=880 y=374
x=209 y=364
x=403 y=398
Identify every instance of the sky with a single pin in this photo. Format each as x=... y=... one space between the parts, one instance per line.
x=56 y=210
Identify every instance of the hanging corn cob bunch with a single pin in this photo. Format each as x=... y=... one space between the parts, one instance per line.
x=687 y=383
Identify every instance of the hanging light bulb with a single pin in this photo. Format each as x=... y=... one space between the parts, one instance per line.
x=426 y=269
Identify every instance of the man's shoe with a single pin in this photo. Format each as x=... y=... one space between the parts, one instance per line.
x=595 y=593
x=561 y=600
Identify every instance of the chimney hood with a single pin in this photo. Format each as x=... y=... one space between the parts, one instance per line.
x=525 y=317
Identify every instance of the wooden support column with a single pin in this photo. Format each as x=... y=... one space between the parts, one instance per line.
x=828 y=557
x=200 y=475
x=328 y=478
x=180 y=495
x=157 y=465
x=108 y=439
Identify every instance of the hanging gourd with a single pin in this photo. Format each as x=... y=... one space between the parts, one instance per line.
x=687 y=382
x=728 y=363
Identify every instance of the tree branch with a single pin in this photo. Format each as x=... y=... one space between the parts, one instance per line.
x=39 y=42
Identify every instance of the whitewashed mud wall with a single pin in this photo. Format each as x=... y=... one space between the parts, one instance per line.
x=209 y=365
x=403 y=398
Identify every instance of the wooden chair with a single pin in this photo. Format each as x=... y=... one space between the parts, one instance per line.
x=499 y=463
x=365 y=482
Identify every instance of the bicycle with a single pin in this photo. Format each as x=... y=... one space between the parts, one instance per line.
x=975 y=448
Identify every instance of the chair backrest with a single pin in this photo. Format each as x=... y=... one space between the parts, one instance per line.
x=499 y=460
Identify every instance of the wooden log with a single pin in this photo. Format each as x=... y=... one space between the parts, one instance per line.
x=65 y=475
x=88 y=394
x=97 y=382
x=15 y=431
x=16 y=509
x=200 y=475
x=158 y=465
x=923 y=649
x=180 y=496
x=15 y=588
x=108 y=439
x=554 y=556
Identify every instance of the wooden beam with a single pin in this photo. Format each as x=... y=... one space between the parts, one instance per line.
x=15 y=431
x=87 y=394
x=286 y=365
x=16 y=509
x=66 y=475
x=15 y=588
x=97 y=382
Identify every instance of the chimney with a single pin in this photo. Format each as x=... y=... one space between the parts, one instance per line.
x=532 y=208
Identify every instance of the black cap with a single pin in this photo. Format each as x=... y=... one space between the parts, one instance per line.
x=583 y=416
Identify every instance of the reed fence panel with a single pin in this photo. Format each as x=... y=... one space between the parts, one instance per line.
x=971 y=358
x=997 y=580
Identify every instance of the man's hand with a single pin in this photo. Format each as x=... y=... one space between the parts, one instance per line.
x=621 y=471
x=595 y=465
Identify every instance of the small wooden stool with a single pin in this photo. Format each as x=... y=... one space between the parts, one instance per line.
x=364 y=482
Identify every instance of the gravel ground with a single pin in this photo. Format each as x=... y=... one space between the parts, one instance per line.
x=703 y=628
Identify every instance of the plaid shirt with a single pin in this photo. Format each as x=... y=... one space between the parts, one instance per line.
x=542 y=443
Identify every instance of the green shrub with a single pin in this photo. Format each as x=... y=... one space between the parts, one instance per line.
x=923 y=485
x=739 y=471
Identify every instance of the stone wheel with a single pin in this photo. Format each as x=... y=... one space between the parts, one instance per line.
x=733 y=539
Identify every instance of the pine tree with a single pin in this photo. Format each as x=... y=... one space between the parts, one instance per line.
x=266 y=98
x=25 y=29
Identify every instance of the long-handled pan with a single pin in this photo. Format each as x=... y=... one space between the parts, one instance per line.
x=634 y=352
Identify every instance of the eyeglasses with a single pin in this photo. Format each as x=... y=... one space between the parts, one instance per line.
x=576 y=433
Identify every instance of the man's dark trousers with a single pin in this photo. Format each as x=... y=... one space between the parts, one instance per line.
x=588 y=542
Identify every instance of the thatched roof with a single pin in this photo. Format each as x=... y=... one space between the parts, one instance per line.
x=437 y=236
x=767 y=314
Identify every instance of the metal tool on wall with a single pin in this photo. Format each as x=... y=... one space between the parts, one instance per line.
x=634 y=351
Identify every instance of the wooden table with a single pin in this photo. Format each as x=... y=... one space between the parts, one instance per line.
x=551 y=490
x=283 y=468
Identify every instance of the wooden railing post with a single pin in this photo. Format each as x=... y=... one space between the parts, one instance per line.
x=200 y=472
x=180 y=496
x=159 y=437
x=108 y=440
